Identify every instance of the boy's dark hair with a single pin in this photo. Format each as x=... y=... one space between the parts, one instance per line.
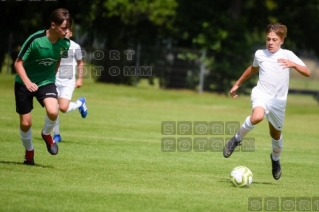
x=60 y=15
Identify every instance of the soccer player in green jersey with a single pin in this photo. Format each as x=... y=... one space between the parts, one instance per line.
x=36 y=66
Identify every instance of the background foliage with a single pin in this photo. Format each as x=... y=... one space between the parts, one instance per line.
x=228 y=31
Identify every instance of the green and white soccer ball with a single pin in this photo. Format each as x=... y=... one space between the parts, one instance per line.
x=241 y=176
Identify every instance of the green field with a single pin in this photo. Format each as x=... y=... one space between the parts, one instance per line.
x=112 y=160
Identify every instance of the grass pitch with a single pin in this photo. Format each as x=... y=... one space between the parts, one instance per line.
x=112 y=160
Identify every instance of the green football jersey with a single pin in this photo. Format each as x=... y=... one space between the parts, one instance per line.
x=40 y=57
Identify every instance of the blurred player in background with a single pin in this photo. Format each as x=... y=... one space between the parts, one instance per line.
x=269 y=97
x=68 y=77
x=36 y=66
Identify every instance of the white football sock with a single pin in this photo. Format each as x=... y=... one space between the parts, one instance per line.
x=245 y=128
x=74 y=106
x=48 y=125
x=26 y=138
x=56 y=128
x=276 y=148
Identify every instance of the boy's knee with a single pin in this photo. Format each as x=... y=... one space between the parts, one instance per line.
x=275 y=135
x=63 y=109
x=257 y=118
x=53 y=115
x=25 y=125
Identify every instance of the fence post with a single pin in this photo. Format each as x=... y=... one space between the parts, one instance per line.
x=138 y=55
x=202 y=71
x=9 y=54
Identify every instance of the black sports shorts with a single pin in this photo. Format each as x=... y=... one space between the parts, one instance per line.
x=24 y=98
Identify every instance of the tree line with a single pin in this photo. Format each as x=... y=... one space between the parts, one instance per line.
x=227 y=31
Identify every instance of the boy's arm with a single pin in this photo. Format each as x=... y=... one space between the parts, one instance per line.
x=303 y=70
x=18 y=65
x=249 y=72
x=80 y=66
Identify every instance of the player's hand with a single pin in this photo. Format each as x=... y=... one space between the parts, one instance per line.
x=78 y=83
x=233 y=91
x=32 y=87
x=286 y=63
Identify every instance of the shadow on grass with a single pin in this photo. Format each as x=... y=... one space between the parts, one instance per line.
x=265 y=183
x=19 y=163
x=225 y=180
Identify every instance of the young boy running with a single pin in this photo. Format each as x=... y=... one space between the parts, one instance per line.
x=269 y=97
x=36 y=66
x=66 y=82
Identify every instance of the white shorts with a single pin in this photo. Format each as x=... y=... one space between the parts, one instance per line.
x=274 y=108
x=65 y=91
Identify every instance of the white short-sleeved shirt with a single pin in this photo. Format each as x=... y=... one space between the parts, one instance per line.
x=273 y=79
x=68 y=66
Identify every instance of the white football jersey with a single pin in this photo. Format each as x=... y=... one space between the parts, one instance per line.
x=273 y=78
x=68 y=66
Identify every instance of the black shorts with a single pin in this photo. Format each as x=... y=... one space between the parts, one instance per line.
x=24 y=98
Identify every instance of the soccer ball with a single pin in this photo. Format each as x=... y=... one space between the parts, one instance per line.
x=241 y=176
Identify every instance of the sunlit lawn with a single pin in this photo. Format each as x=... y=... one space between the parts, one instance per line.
x=113 y=161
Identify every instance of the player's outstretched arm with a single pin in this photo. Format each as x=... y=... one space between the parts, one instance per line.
x=249 y=72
